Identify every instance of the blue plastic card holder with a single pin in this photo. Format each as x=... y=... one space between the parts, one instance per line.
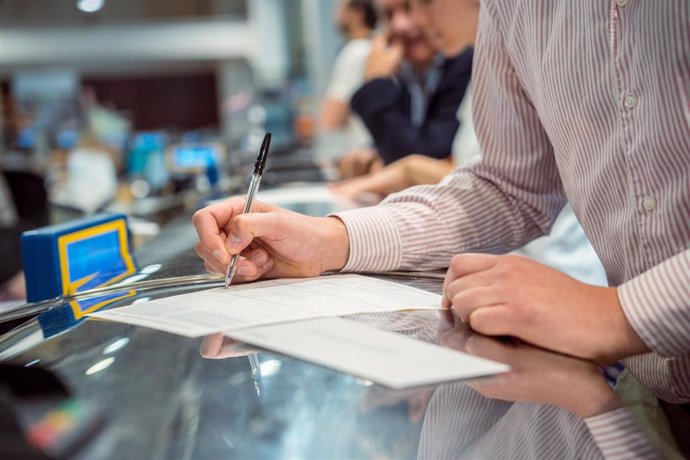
x=59 y=319
x=65 y=259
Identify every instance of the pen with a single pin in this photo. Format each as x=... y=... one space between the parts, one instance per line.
x=259 y=166
x=256 y=372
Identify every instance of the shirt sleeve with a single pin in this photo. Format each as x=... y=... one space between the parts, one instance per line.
x=619 y=436
x=657 y=304
x=513 y=195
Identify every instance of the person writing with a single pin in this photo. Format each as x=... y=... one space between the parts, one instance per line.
x=562 y=112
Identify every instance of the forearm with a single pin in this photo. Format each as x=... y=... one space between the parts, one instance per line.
x=334 y=115
x=408 y=172
x=423 y=227
x=423 y=170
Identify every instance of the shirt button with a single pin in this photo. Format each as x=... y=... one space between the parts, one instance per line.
x=621 y=3
x=630 y=101
x=649 y=203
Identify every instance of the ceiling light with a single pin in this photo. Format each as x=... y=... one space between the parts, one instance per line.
x=90 y=6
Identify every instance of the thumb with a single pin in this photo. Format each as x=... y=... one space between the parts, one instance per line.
x=246 y=227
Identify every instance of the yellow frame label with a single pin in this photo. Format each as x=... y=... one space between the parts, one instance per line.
x=70 y=287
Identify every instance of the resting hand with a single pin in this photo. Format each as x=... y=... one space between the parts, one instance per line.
x=274 y=242
x=358 y=162
x=513 y=295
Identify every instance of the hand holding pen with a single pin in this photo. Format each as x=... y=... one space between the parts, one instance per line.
x=273 y=242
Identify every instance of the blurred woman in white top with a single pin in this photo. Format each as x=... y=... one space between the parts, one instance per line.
x=357 y=21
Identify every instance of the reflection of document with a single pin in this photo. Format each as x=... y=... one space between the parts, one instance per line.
x=383 y=357
x=271 y=302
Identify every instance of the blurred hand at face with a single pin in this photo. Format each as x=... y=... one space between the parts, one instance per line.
x=384 y=59
x=273 y=242
x=402 y=28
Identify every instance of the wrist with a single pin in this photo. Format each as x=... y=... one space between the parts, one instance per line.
x=335 y=244
x=624 y=340
x=632 y=342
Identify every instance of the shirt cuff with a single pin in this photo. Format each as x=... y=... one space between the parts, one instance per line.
x=657 y=305
x=375 y=242
x=618 y=435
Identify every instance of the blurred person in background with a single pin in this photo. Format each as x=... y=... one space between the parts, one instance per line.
x=453 y=28
x=411 y=95
x=23 y=196
x=357 y=21
x=11 y=278
x=452 y=24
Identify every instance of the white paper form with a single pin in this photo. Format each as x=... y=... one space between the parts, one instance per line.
x=383 y=357
x=270 y=302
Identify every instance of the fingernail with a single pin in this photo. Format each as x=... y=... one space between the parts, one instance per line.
x=221 y=256
x=245 y=271
x=234 y=241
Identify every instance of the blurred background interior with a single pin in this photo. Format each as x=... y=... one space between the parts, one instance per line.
x=145 y=106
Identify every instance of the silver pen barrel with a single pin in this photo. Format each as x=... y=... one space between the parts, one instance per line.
x=251 y=193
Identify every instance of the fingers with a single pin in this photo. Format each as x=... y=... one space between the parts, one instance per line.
x=467 y=264
x=252 y=264
x=357 y=162
x=496 y=320
x=488 y=348
x=464 y=265
x=251 y=269
x=211 y=263
x=247 y=227
x=213 y=223
x=455 y=338
x=466 y=302
x=209 y=224
x=217 y=346
x=346 y=166
x=210 y=346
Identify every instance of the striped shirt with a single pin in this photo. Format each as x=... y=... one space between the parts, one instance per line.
x=586 y=102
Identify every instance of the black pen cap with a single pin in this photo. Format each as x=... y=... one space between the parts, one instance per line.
x=263 y=154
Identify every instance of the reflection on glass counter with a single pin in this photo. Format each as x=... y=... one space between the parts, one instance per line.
x=166 y=396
